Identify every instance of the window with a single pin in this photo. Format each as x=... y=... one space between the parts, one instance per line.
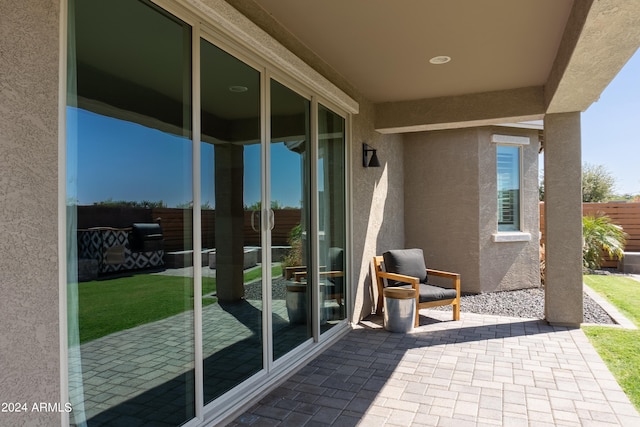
x=508 y=168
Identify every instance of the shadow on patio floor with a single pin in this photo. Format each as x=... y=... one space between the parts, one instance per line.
x=481 y=370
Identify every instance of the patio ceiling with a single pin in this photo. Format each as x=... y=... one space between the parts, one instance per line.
x=509 y=60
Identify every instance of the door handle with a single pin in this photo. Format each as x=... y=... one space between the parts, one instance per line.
x=253 y=220
x=272 y=219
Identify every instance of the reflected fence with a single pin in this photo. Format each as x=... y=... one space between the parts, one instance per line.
x=104 y=230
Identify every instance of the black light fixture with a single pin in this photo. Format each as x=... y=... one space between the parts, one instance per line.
x=373 y=162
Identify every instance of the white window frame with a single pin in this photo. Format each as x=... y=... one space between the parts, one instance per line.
x=516 y=235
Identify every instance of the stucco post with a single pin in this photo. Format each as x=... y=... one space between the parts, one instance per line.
x=229 y=173
x=563 y=219
x=29 y=338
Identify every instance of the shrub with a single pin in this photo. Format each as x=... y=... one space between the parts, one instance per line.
x=601 y=236
x=294 y=257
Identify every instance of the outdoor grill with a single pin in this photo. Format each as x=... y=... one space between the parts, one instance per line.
x=146 y=238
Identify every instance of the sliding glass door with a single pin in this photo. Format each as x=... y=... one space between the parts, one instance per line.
x=290 y=154
x=230 y=182
x=129 y=191
x=332 y=235
x=206 y=206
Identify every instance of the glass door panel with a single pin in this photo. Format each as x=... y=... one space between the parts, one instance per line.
x=231 y=238
x=290 y=236
x=130 y=313
x=331 y=217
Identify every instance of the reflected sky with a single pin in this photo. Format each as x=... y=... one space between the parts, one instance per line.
x=119 y=162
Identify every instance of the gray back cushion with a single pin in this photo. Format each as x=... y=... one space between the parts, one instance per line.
x=409 y=262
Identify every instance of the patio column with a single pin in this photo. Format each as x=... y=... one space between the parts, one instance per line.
x=563 y=219
x=229 y=175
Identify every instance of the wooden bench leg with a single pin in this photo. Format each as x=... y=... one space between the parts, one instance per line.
x=456 y=310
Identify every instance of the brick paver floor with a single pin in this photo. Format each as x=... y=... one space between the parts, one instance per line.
x=481 y=371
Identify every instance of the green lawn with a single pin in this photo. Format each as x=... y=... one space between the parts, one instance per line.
x=111 y=305
x=622 y=292
x=107 y=306
x=619 y=348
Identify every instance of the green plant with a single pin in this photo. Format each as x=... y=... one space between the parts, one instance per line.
x=132 y=203
x=597 y=183
x=601 y=236
x=294 y=257
x=275 y=205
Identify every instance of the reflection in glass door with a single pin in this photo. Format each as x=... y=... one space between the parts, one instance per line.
x=290 y=236
x=135 y=305
x=331 y=217
x=129 y=188
x=231 y=239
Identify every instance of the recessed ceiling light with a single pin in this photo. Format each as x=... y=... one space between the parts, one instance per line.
x=439 y=60
x=238 y=89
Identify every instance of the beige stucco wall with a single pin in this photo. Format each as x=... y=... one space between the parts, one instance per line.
x=442 y=199
x=451 y=207
x=29 y=343
x=563 y=219
x=377 y=206
x=509 y=265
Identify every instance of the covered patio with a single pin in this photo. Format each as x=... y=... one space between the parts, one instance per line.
x=484 y=370
x=437 y=88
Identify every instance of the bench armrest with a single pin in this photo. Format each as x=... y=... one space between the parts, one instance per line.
x=455 y=277
x=399 y=277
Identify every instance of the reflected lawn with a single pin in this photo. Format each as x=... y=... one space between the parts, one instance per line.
x=111 y=305
x=256 y=273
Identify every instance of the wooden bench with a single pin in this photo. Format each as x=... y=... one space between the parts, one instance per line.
x=430 y=297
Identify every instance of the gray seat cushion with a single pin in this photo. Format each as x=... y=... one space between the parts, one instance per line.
x=430 y=293
x=409 y=262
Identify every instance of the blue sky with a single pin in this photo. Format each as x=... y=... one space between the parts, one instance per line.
x=122 y=160
x=611 y=129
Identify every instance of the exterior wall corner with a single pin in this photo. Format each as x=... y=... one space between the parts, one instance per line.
x=29 y=342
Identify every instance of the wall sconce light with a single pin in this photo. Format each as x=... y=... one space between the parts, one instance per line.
x=373 y=162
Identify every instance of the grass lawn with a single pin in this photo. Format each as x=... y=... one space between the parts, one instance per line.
x=619 y=348
x=108 y=306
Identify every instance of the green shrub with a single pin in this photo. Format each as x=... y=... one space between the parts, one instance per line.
x=294 y=257
x=601 y=236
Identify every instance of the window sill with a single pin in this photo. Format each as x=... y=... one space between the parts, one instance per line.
x=511 y=236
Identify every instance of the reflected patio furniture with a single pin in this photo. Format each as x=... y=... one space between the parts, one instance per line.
x=406 y=268
x=290 y=272
x=334 y=291
x=112 y=249
x=334 y=276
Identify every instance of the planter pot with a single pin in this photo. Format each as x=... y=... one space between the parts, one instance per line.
x=296 y=301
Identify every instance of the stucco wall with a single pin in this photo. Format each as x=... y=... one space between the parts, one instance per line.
x=508 y=265
x=29 y=343
x=442 y=199
x=451 y=207
x=563 y=219
x=377 y=206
